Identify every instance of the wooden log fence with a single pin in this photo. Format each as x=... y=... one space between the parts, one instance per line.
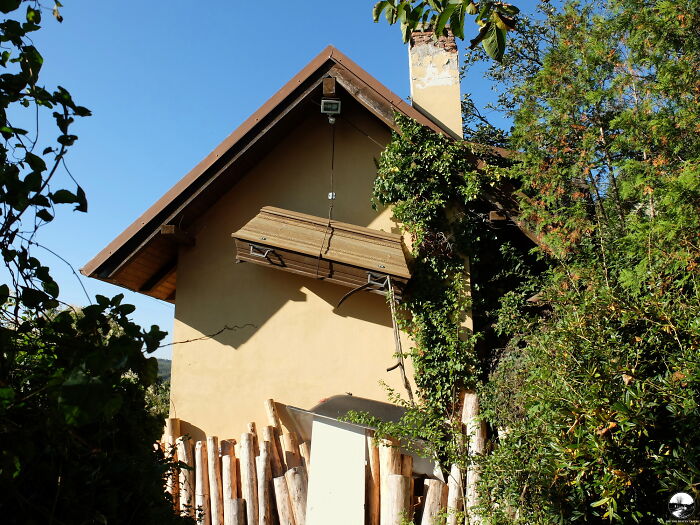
x=262 y=479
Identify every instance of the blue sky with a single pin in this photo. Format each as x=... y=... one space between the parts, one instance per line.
x=166 y=82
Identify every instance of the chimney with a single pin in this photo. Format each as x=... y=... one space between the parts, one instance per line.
x=434 y=71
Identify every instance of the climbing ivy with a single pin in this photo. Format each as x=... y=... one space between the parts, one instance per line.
x=437 y=196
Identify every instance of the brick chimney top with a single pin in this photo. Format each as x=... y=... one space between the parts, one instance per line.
x=434 y=71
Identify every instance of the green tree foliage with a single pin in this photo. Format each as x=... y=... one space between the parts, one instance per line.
x=77 y=438
x=494 y=20
x=602 y=404
x=592 y=358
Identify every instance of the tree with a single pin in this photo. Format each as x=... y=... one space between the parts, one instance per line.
x=494 y=19
x=593 y=400
x=77 y=438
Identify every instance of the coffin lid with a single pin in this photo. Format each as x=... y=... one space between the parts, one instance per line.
x=318 y=237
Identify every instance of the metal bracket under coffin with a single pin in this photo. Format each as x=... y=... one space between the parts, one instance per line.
x=333 y=251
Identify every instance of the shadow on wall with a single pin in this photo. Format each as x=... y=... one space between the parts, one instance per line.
x=282 y=287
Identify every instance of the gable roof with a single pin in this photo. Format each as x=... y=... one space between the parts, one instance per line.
x=143 y=257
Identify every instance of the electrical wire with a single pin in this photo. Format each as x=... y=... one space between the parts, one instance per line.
x=331 y=198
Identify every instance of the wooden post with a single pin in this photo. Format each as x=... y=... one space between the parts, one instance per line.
x=454 y=495
x=373 y=482
x=434 y=501
x=297 y=485
x=172 y=430
x=229 y=482
x=262 y=463
x=170 y=435
x=201 y=498
x=276 y=467
x=455 y=485
x=292 y=457
x=252 y=429
x=249 y=484
x=234 y=512
x=284 y=506
x=407 y=470
x=397 y=497
x=273 y=420
x=305 y=451
x=214 y=469
x=476 y=438
x=389 y=464
x=186 y=477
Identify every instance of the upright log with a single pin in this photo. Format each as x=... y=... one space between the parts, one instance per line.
x=389 y=464
x=373 y=482
x=292 y=457
x=284 y=506
x=230 y=480
x=455 y=485
x=268 y=434
x=273 y=419
x=229 y=483
x=262 y=463
x=305 y=452
x=201 y=498
x=170 y=435
x=216 y=505
x=297 y=485
x=455 y=496
x=434 y=501
x=249 y=484
x=407 y=470
x=476 y=438
x=398 y=498
x=234 y=511
x=252 y=429
x=186 y=476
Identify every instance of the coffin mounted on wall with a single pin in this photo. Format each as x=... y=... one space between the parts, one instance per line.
x=333 y=251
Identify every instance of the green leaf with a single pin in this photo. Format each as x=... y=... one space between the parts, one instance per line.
x=508 y=9
x=4 y=293
x=81 y=200
x=63 y=197
x=67 y=140
x=495 y=42
x=51 y=288
x=470 y=8
x=378 y=8
x=443 y=18
x=7 y=6
x=35 y=162
x=600 y=502
x=44 y=215
x=32 y=298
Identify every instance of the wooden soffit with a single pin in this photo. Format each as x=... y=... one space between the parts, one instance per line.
x=324 y=249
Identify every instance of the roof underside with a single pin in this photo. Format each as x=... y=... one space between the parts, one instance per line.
x=144 y=257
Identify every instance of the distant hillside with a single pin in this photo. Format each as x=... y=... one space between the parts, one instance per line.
x=164 y=369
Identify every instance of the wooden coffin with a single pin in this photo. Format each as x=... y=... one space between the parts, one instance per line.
x=306 y=245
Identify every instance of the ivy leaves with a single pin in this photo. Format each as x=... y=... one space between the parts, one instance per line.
x=494 y=19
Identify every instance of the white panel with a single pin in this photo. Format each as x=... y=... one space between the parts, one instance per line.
x=337 y=476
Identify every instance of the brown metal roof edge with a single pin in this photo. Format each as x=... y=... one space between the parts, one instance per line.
x=329 y=53
x=160 y=205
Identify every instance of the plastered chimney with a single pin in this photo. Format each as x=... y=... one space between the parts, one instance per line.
x=434 y=71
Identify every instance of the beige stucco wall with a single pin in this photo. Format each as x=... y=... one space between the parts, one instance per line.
x=298 y=349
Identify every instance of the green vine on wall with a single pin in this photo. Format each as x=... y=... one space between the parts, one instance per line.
x=429 y=180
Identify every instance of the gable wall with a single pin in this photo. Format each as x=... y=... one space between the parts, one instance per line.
x=299 y=350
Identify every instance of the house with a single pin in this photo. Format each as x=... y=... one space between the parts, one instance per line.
x=244 y=333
